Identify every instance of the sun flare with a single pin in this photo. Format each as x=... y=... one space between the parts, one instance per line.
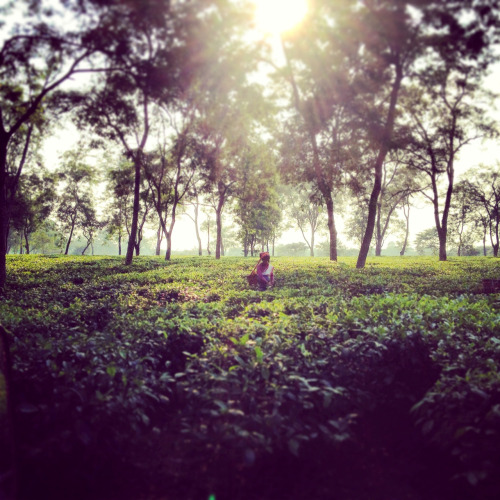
x=279 y=16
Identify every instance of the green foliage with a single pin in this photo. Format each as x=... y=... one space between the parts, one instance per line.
x=180 y=363
x=427 y=239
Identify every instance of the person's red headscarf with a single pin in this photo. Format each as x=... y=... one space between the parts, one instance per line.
x=264 y=255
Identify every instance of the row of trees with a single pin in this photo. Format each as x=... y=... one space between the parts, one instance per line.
x=50 y=209
x=375 y=99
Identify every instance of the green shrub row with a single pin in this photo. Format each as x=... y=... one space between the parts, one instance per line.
x=180 y=361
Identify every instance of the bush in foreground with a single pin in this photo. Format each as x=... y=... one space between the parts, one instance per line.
x=175 y=377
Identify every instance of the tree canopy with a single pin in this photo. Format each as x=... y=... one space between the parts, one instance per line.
x=358 y=84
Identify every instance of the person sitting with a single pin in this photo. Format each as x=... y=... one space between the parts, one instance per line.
x=265 y=272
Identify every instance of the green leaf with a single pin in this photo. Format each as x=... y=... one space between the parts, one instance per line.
x=259 y=354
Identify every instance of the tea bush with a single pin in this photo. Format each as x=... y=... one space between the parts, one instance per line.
x=381 y=382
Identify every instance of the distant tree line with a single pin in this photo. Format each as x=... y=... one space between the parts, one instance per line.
x=370 y=111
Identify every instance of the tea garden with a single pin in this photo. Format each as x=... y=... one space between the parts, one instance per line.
x=175 y=380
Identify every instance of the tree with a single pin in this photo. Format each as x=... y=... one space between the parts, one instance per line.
x=305 y=210
x=406 y=205
x=230 y=107
x=122 y=182
x=445 y=118
x=294 y=249
x=485 y=191
x=47 y=239
x=371 y=47
x=355 y=223
x=314 y=141
x=357 y=74
x=90 y=226
x=37 y=58
x=156 y=57
x=256 y=209
x=169 y=172
x=426 y=45
x=78 y=178
x=427 y=239
x=208 y=225
x=33 y=203
x=194 y=201
x=397 y=186
x=119 y=181
x=464 y=229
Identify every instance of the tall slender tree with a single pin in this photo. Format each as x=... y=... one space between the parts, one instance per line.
x=78 y=178
x=397 y=187
x=158 y=51
x=305 y=211
x=169 y=173
x=231 y=108
x=256 y=209
x=445 y=117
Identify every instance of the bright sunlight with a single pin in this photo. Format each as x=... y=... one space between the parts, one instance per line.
x=279 y=16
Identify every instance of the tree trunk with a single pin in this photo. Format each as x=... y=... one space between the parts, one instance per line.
x=322 y=185
x=135 y=212
x=327 y=197
x=407 y=217
x=70 y=236
x=218 y=219
x=378 y=225
x=495 y=244
x=159 y=235
x=120 y=232
x=443 y=231
x=377 y=184
x=372 y=212
x=197 y=229
x=442 y=245
x=4 y=214
x=312 y=242
x=26 y=242
x=245 y=244
x=208 y=237
x=331 y=226
x=494 y=239
x=168 y=253
x=85 y=249
x=168 y=236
